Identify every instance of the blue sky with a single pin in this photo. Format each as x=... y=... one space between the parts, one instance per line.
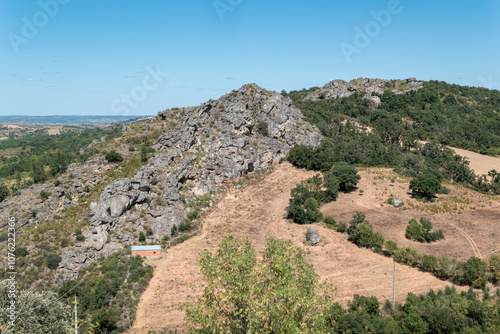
x=123 y=57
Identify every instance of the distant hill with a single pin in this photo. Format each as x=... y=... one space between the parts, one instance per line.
x=66 y=119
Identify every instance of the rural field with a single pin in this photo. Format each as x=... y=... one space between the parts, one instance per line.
x=256 y=211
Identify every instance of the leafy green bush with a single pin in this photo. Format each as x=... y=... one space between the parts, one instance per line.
x=113 y=156
x=330 y=222
x=45 y=194
x=347 y=175
x=262 y=128
x=185 y=226
x=427 y=184
x=53 y=261
x=21 y=251
x=173 y=231
x=422 y=232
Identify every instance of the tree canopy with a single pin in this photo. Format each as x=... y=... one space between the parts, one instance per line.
x=280 y=294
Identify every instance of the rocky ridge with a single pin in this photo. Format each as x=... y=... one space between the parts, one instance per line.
x=208 y=147
x=339 y=88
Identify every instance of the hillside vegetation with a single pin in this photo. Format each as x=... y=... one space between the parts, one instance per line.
x=388 y=133
x=80 y=200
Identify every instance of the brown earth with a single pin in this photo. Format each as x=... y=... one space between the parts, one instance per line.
x=481 y=164
x=468 y=219
x=257 y=211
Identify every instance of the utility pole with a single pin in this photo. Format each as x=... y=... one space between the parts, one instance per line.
x=76 y=320
x=394 y=285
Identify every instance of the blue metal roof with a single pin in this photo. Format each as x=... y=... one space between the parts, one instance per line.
x=145 y=248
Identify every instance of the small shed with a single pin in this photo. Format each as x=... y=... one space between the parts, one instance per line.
x=147 y=251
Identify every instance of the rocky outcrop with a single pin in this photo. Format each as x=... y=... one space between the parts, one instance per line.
x=369 y=87
x=210 y=146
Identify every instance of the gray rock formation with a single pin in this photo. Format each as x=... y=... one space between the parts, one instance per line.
x=339 y=88
x=210 y=146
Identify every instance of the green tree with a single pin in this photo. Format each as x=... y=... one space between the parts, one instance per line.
x=38 y=172
x=280 y=294
x=347 y=175
x=332 y=185
x=4 y=192
x=391 y=246
x=475 y=272
x=429 y=263
x=494 y=266
x=37 y=312
x=427 y=184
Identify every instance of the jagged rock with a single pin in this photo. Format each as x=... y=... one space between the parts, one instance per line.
x=312 y=236
x=211 y=145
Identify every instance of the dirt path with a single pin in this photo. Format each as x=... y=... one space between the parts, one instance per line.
x=256 y=211
x=469 y=239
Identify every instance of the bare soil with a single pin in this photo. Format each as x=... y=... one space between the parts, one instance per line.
x=468 y=219
x=481 y=164
x=257 y=211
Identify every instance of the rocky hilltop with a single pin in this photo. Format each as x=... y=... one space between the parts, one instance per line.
x=198 y=150
x=339 y=88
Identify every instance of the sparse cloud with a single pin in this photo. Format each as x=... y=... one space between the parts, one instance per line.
x=230 y=78
x=32 y=79
x=130 y=76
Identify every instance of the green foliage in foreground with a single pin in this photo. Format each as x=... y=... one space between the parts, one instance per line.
x=280 y=294
x=37 y=312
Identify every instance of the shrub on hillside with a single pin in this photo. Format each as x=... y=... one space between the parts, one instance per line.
x=422 y=232
x=53 y=261
x=113 y=156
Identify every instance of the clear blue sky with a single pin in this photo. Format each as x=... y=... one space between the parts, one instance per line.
x=90 y=57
